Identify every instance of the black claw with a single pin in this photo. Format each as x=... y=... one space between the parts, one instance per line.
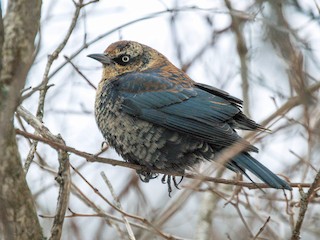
x=143 y=178
x=180 y=180
x=166 y=179
x=169 y=185
x=154 y=175
x=163 y=179
x=175 y=182
x=146 y=176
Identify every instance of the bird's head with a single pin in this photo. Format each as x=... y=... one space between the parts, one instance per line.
x=127 y=56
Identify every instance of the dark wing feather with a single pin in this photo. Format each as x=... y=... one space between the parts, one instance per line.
x=239 y=121
x=220 y=93
x=193 y=111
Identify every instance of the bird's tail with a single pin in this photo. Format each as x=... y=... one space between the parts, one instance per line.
x=244 y=161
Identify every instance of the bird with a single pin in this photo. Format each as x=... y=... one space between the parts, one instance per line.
x=154 y=115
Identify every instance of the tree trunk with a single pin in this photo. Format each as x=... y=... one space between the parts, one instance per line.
x=18 y=218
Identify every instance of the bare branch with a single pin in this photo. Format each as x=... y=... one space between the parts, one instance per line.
x=64 y=181
x=80 y=73
x=304 y=202
x=242 y=49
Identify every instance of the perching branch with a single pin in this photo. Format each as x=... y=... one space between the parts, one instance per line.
x=92 y=158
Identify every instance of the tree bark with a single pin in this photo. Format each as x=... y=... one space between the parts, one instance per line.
x=18 y=218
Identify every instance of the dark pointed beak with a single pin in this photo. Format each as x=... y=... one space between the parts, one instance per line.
x=100 y=57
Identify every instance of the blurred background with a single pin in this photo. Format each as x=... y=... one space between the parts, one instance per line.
x=264 y=52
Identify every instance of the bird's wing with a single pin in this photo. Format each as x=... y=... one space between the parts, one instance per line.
x=193 y=111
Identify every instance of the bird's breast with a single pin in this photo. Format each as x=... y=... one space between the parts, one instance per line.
x=132 y=138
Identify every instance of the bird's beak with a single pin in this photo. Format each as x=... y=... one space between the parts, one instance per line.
x=100 y=57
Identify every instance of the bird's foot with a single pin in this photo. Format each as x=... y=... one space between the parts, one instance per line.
x=145 y=175
x=166 y=179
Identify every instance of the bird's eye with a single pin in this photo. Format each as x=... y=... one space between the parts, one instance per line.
x=122 y=60
x=125 y=58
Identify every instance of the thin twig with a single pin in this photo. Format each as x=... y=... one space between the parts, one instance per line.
x=262 y=228
x=80 y=73
x=118 y=204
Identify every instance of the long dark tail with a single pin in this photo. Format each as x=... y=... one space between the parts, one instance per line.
x=244 y=161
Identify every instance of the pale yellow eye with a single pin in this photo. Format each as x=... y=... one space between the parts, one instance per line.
x=125 y=58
